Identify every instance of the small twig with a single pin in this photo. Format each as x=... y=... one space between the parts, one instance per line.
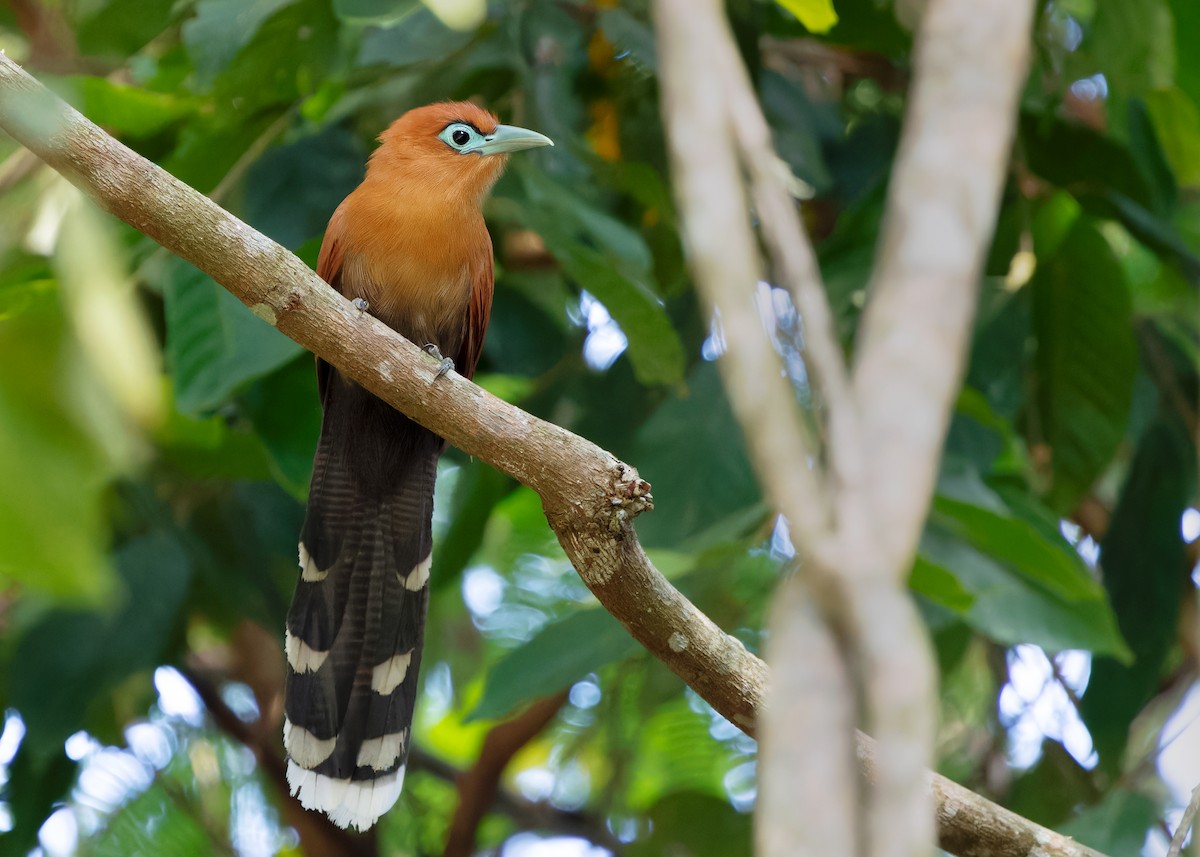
x=1185 y=824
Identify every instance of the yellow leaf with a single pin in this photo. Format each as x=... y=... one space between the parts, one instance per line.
x=817 y=15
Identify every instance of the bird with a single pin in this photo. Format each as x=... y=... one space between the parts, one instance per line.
x=409 y=245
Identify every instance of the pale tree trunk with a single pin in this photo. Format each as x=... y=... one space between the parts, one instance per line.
x=846 y=646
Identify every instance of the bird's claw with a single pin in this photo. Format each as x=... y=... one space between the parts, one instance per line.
x=446 y=365
x=361 y=305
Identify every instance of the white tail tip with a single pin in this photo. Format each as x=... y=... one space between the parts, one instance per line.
x=348 y=803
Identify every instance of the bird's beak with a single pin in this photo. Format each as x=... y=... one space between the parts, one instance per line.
x=509 y=138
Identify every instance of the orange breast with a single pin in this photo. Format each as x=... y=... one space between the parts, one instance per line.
x=415 y=263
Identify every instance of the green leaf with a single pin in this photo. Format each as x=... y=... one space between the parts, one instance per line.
x=415 y=36
x=818 y=16
x=214 y=343
x=1018 y=545
x=691 y=451
x=53 y=465
x=291 y=54
x=122 y=27
x=286 y=413
x=1144 y=560
x=1187 y=34
x=155 y=822
x=220 y=29
x=612 y=262
x=654 y=347
x=1116 y=825
x=677 y=753
x=1151 y=160
x=940 y=586
x=1080 y=159
x=1133 y=41
x=1086 y=361
x=128 y=110
x=1177 y=122
x=694 y=824
x=558 y=656
x=292 y=191
x=1009 y=609
x=1054 y=221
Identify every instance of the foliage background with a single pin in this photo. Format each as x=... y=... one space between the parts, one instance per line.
x=157 y=438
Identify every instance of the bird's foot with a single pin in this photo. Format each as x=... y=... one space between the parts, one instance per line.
x=446 y=363
x=361 y=305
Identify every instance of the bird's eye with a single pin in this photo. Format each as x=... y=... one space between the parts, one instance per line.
x=460 y=136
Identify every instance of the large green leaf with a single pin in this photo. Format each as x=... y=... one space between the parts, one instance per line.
x=1177 y=123
x=612 y=262
x=375 y=11
x=691 y=451
x=1187 y=35
x=121 y=27
x=998 y=561
x=695 y=824
x=676 y=752
x=292 y=191
x=294 y=49
x=220 y=29
x=1145 y=571
x=214 y=343
x=286 y=414
x=157 y=821
x=1005 y=606
x=128 y=110
x=54 y=467
x=1116 y=825
x=558 y=656
x=1019 y=546
x=1133 y=40
x=1086 y=361
x=413 y=36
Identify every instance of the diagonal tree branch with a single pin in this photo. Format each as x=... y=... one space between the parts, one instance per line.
x=590 y=498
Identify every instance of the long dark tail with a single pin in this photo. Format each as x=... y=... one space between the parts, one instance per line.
x=357 y=620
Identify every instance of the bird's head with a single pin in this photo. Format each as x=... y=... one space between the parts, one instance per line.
x=453 y=147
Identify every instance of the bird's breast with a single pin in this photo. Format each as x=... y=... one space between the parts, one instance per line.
x=423 y=302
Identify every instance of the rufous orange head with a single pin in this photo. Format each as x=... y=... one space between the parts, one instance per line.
x=452 y=147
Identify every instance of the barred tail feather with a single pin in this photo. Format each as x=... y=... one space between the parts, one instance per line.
x=355 y=627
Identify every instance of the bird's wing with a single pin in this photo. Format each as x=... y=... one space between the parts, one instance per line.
x=329 y=261
x=479 y=310
x=329 y=269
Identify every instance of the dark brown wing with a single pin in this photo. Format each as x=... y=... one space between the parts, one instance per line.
x=479 y=312
x=329 y=269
